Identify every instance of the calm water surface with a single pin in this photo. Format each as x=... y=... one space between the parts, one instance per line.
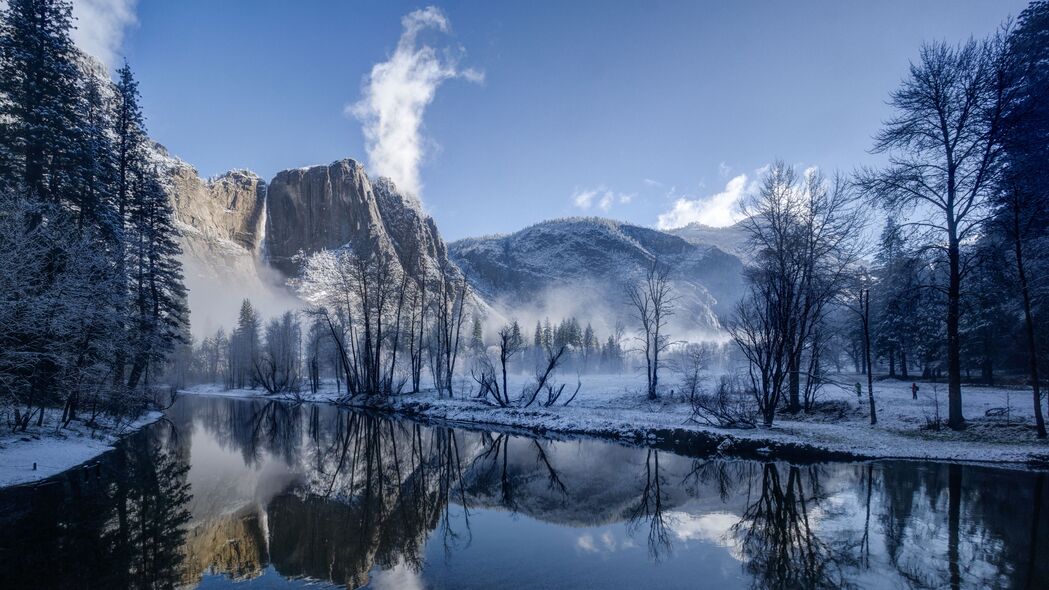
x=251 y=494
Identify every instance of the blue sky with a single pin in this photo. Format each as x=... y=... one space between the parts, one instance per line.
x=656 y=113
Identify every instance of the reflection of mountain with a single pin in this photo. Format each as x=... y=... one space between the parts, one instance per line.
x=316 y=492
x=232 y=544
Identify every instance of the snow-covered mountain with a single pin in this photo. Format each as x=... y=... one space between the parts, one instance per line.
x=580 y=266
x=731 y=239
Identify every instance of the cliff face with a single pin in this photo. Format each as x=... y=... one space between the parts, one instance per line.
x=236 y=229
x=221 y=222
x=336 y=205
x=229 y=207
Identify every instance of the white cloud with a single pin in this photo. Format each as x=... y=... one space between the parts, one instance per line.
x=399 y=577
x=601 y=196
x=396 y=93
x=718 y=210
x=100 y=27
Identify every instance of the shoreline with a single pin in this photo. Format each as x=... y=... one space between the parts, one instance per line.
x=56 y=452
x=789 y=440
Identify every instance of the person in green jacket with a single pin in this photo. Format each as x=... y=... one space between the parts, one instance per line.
x=859 y=390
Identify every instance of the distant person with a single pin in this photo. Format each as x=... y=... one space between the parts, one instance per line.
x=859 y=390
x=914 y=391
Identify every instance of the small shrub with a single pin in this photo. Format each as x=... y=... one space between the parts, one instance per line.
x=729 y=406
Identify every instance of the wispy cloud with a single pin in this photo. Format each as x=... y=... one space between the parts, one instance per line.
x=600 y=197
x=717 y=210
x=395 y=95
x=100 y=27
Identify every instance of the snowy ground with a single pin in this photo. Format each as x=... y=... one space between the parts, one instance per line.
x=55 y=450
x=614 y=406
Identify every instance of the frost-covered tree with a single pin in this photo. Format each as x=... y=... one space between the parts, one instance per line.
x=73 y=319
x=893 y=298
x=158 y=314
x=39 y=112
x=362 y=299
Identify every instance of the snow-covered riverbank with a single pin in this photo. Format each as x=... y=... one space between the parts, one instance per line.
x=53 y=451
x=613 y=406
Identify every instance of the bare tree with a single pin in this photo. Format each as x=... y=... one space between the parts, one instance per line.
x=450 y=297
x=543 y=380
x=510 y=344
x=653 y=304
x=804 y=233
x=361 y=298
x=279 y=366
x=944 y=157
x=756 y=328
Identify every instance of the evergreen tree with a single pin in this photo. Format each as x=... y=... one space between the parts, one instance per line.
x=477 y=336
x=159 y=315
x=893 y=298
x=38 y=112
x=244 y=346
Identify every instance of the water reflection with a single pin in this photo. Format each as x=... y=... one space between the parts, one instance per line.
x=260 y=493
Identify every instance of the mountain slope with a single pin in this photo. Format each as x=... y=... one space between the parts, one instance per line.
x=580 y=266
x=730 y=239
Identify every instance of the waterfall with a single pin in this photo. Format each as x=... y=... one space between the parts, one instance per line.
x=260 y=254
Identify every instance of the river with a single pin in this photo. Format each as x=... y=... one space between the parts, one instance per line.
x=254 y=494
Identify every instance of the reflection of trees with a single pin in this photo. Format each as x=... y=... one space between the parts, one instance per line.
x=497 y=468
x=377 y=491
x=779 y=539
x=119 y=524
x=650 y=508
x=964 y=526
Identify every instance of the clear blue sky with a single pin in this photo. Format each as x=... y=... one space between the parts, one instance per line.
x=640 y=104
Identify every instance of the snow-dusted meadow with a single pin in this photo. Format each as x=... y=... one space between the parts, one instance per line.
x=615 y=406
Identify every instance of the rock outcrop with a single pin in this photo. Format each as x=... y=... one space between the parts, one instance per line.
x=229 y=207
x=244 y=238
x=337 y=205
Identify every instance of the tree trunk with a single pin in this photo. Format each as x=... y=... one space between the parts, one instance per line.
x=1032 y=346
x=955 y=418
x=867 y=353
x=903 y=364
x=794 y=382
